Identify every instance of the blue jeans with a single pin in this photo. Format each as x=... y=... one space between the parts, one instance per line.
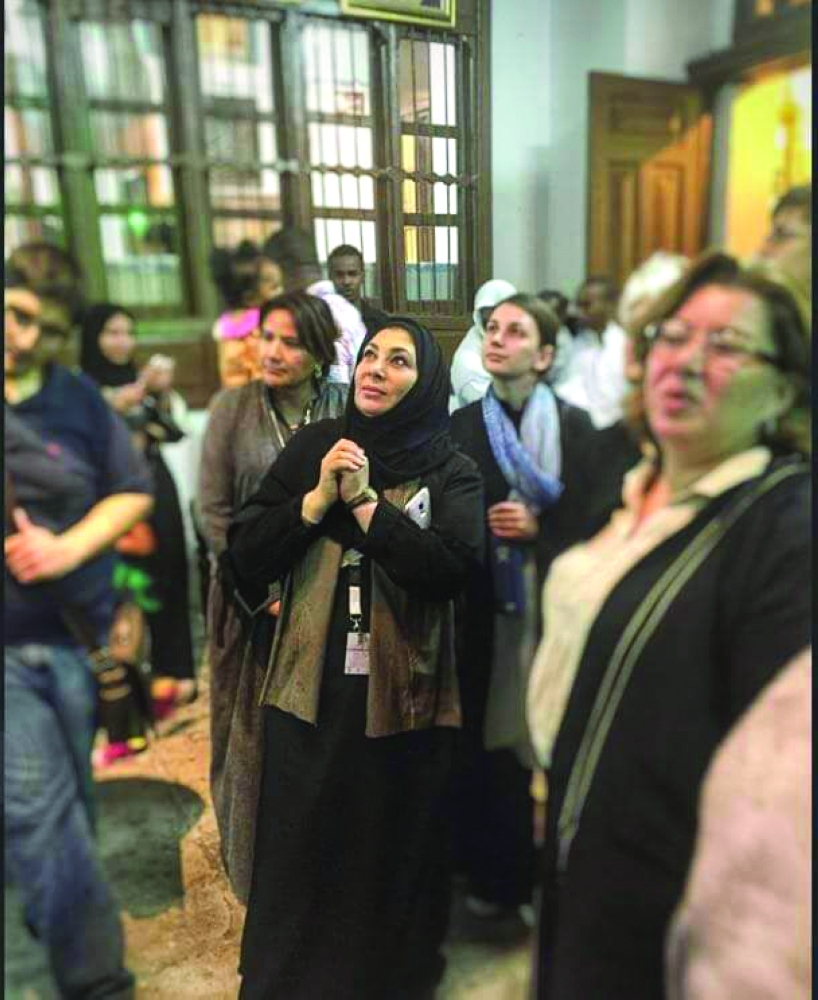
x=51 y=857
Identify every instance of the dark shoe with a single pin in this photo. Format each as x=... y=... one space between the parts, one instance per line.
x=483 y=921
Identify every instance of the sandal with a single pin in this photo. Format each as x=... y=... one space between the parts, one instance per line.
x=110 y=753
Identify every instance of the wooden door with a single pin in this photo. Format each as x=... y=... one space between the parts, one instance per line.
x=649 y=150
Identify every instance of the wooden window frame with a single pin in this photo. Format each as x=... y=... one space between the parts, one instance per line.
x=100 y=160
x=425 y=179
x=273 y=118
x=185 y=104
x=375 y=122
x=47 y=159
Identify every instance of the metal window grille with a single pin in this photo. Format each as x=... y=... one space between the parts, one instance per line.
x=33 y=199
x=237 y=69
x=431 y=152
x=336 y=61
x=146 y=131
x=126 y=95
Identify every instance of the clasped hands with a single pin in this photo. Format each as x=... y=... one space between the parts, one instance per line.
x=344 y=475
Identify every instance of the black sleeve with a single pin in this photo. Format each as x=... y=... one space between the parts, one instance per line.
x=469 y=434
x=267 y=537
x=459 y=428
x=769 y=594
x=159 y=424
x=434 y=562
x=604 y=458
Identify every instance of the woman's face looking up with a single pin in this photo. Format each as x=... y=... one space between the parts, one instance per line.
x=386 y=372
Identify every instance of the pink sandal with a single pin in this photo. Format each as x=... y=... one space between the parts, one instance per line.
x=112 y=752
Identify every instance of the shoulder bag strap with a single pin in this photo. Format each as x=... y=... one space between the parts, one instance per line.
x=640 y=628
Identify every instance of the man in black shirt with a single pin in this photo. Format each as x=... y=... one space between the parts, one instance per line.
x=346 y=272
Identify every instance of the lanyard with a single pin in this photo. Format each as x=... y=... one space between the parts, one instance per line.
x=356 y=659
x=355 y=602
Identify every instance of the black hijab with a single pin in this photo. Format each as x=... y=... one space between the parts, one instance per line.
x=413 y=437
x=92 y=361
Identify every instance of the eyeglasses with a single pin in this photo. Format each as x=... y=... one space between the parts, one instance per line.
x=22 y=317
x=724 y=346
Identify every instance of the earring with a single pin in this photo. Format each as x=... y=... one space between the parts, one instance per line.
x=319 y=371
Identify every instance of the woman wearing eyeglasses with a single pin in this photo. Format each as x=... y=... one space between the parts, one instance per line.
x=248 y=428
x=661 y=630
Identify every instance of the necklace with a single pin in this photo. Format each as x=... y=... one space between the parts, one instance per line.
x=276 y=420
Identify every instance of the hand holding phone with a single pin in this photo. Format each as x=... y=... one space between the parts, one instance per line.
x=157 y=374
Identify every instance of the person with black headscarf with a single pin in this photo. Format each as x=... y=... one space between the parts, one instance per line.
x=153 y=556
x=372 y=524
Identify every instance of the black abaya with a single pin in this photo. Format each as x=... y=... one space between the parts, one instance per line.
x=171 y=642
x=350 y=880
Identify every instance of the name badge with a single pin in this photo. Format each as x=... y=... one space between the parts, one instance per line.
x=357 y=655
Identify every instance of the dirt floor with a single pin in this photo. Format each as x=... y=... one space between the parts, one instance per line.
x=157 y=835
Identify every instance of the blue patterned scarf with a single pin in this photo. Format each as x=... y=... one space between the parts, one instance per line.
x=531 y=463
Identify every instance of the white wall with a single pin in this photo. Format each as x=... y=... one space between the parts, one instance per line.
x=721 y=24
x=722 y=112
x=182 y=460
x=661 y=38
x=542 y=53
x=520 y=125
x=588 y=36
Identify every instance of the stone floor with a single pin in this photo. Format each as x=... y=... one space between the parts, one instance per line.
x=158 y=839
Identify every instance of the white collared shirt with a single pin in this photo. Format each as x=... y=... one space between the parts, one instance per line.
x=593 y=374
x=582 y=578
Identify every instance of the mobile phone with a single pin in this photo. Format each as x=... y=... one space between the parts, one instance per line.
x=419 y=508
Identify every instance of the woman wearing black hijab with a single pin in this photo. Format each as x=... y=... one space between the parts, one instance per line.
x=156 y=560
x=371 y=523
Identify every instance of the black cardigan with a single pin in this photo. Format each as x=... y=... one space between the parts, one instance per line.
x=741 y=617
x=593 y=489
x=593 y=481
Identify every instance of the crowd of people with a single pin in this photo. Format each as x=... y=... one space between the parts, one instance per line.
x=488 y=628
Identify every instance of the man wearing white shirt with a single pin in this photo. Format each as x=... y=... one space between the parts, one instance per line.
x=594 y=373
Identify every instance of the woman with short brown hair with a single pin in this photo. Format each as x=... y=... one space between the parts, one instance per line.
x=662 y=629
x=248 y=428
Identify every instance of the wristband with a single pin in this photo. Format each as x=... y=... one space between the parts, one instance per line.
x=309 y=521
x=365 y=496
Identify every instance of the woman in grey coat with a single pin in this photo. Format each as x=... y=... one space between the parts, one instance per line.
x=247 y=429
